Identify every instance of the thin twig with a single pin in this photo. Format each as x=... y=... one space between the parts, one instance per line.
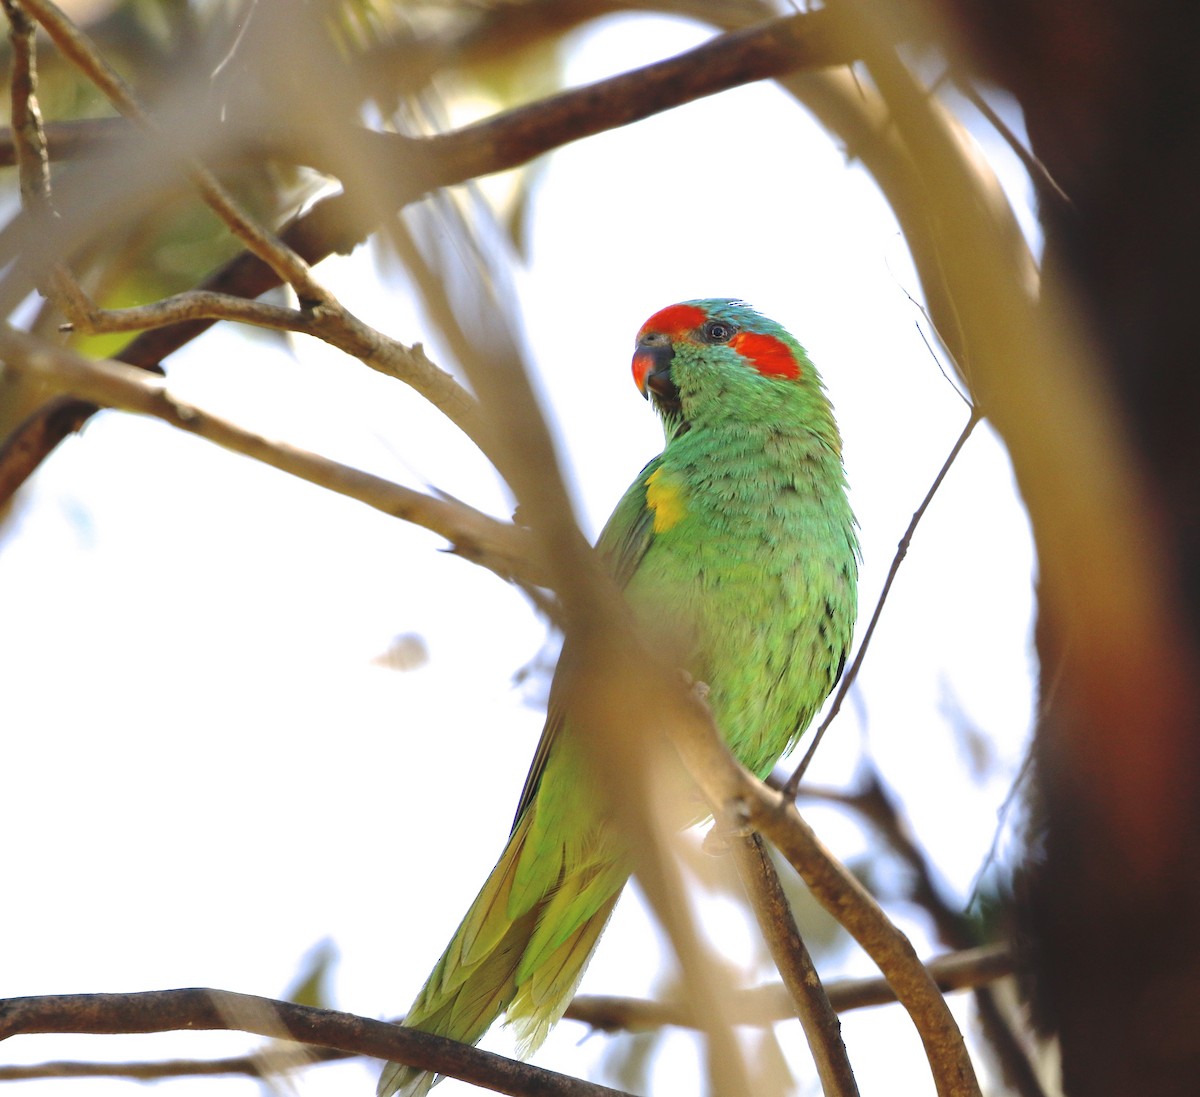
x=29 y=148
x=29 y=138
x=251 y=1066
x=793 y=782
x=1011 y=1056
x=67 y=140
x=1038 y=172
x=329 y=322
x=822 y=1029
x=192 y=305
x=204 y=1009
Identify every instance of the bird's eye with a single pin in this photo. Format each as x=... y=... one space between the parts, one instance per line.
x=717 y=331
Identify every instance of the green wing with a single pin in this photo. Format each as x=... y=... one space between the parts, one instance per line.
x=626 y=537
x=629 y=531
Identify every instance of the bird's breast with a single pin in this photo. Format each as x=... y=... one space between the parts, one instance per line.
x=752 y=574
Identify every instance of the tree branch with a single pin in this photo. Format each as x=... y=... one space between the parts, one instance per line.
x=740 y=799
x=505 y=549
x=762 y=1006
x=329 y=322
x=74 y=139
x=407 y=168
x=822 y=1029
x=199 y=1008
x=29 y=147
x=872 y=801
x=769 y=1004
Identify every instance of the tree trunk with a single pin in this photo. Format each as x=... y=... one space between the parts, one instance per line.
x=1111 y=95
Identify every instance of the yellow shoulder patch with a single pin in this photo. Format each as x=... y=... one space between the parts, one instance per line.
x=665 y=498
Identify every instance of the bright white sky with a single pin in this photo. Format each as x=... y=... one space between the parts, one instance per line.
x=206 y=772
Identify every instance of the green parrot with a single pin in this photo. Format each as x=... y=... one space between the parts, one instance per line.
x=740 y=535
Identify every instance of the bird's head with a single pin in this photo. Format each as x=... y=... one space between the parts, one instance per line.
x=718 y=360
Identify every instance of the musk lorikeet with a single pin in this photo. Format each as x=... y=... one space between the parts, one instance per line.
x=740 y=534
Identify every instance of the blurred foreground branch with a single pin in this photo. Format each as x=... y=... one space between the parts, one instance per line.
x=613 y=704
x=78 y=48
x=769 y=1004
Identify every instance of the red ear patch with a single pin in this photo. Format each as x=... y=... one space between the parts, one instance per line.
x=768 y=355
x=675 y=320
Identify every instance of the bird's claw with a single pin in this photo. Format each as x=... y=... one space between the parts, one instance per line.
x=698 y=689
x=716 y=842
x=723 y=833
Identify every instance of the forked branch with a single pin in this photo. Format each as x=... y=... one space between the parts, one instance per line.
x=505 y=549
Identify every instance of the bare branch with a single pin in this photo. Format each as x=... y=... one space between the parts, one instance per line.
x=873 y=802
x=29 y=147
x=739 y=798
x=808 y=40
x=1039 y=174
x=70 y=140
x=812 y=1005
x=769 y=1004
x=204 y=1009
x=762 y=1006
x=251 y=1066
x=505 y=549
x=28 y=136
x=329 y=322
x=191 y=305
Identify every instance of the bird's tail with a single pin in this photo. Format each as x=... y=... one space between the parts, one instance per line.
x=521 y=950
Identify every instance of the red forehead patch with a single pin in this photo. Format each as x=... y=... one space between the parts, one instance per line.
x=770 y=356
x=675 y=320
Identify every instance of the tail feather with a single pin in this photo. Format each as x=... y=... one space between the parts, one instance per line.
x=522 y=952
x=569 y=907
x=488 y=921
x=542 y=1000
x=402 y=1081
